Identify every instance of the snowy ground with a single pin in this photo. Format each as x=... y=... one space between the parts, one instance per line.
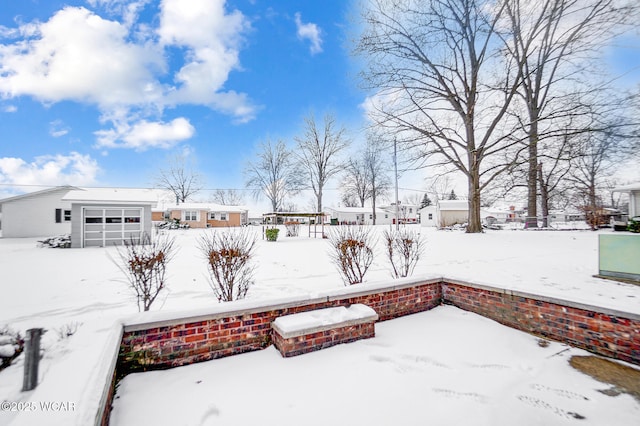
x=83 y=289
x=442 y=367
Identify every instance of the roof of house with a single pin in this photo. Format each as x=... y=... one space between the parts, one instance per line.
x=113 y=195
x=626 y=188
x=211 y=207
x=37 y=193
x=453 y=205
x=354 y=210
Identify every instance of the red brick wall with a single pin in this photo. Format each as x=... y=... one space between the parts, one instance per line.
x=221 y=335
x=322 y=339
x=601 y=331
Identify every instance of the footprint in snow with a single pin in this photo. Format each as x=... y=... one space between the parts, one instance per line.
x=538 y=403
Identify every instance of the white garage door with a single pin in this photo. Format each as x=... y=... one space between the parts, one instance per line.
x=108 y=226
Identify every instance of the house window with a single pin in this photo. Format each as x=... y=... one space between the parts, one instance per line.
x=63 y=215
x=410 y=209
x=430 y=216
x=190 y=215
x=370 y=216
x=223 y=216
x=212 y=216
x=386 y=216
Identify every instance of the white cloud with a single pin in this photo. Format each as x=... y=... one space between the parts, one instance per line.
x=310 y=32
x=10 y=108
x=57 y=128
x=144 y=134
x=79 y=56
x=72 y=169
x=122 y=67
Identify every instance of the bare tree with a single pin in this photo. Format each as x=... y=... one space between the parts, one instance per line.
x=318 y=152
x=180 y=179
x=435 y=67
x=356 y=183
x=274 y=174
x=376 y=168
x=228 y=197
x=553 y=42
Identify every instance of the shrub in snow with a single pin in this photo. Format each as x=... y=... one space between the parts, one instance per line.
x=293 y=228
x=404 y=248
x=11 y=345
x=59 y=241
x=229 y=262
x=271 y=234
x=67 y=330
x=351 y=251
x=144 y=262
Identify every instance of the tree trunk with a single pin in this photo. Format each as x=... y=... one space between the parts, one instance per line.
x=532 y=177
x=373 y=203
x=475 y=223
x=544 y=198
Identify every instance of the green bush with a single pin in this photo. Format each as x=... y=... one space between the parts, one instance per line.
x=634 y=224
x=271 y=234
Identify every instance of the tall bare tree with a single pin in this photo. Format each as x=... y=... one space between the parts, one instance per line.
x=228 y=197
x=435 y=68
x=273 y=174
x=318 y=152
x=553 y=42
x=355 y=183
x=179 y=178
x=376 y=167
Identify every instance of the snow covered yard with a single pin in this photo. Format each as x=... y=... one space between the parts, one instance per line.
x=441 y=367
x=84 y=289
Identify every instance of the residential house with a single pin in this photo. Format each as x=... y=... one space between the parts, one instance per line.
x=202 y=215
x=102 y=217
x=358 y=216
x=407 y=213
x=36 y=214
x=445 y=213
x=633 y=190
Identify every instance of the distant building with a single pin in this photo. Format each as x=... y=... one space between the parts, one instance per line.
x=202 y=215
x=358 y=216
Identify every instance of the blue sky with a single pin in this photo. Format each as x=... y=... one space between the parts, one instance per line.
x=104 y=92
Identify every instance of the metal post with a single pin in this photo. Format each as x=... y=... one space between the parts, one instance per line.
x=32 y=358
x=395 y=168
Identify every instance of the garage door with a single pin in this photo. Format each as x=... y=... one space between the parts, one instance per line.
x=110 y=226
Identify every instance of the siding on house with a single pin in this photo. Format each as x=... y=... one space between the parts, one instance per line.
x=34 y=215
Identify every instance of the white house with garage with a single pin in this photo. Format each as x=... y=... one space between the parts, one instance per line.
x=36 y=214
x=102 y=217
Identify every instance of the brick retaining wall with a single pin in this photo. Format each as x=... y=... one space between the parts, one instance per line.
x=186 y=340
x=602 y=331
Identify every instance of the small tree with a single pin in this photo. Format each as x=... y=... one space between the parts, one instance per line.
x=144 y=262
x=404 y=248
x=452 y=195
x=229 y=255
x=426 y=201
x=352 y=252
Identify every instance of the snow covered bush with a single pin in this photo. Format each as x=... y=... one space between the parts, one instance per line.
x=404 y=248
x=59 y=241
x=229 y=262
x=144 y=262
x=11 y=345
x=351 y=251
x=293 y=228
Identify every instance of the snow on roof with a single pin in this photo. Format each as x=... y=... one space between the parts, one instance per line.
x=37 y=193
x=453 y=204
x=626 y=188
x=120 y=195
x=353 y=209
x=212 y=207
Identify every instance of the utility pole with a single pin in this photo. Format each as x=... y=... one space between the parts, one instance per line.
x=395 y=168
